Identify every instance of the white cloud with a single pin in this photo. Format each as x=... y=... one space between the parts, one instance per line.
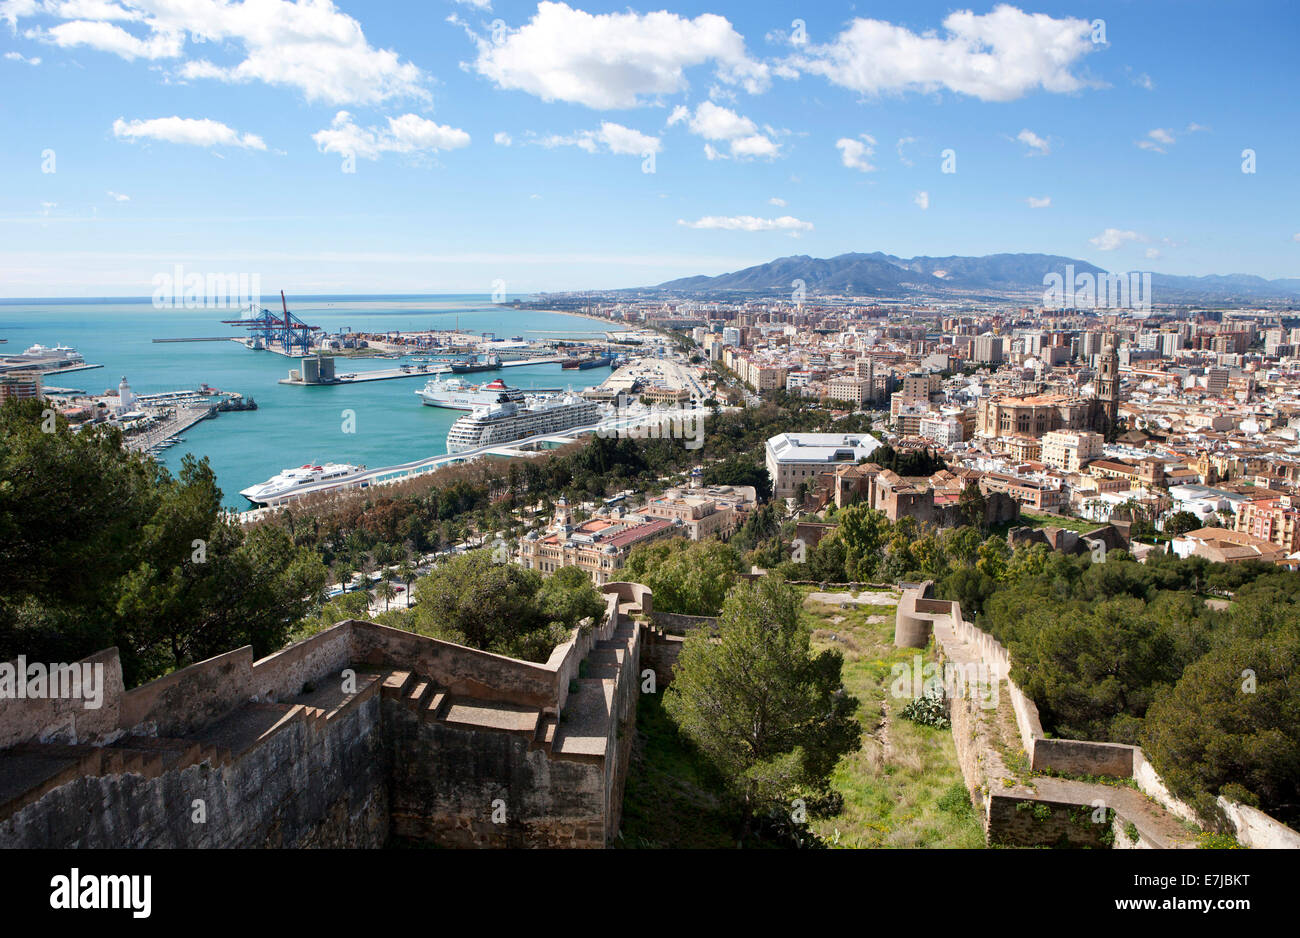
x=1152 y=253
x=902 y=142
x=118 y=197
x=1112 y=238
x=409 y=133
x=1157 y=140
x=716 y=123
x=1296 y=237
x=614 y=138
x=501 y=138
x=747 y=223
x=923 y=200
x=309 y=45
x=614 y=60
x=1144 y=81
x=1034 y=202
x=857 y=153
x=199 y=132
x=778 y=202
x=19 y=57
x=476 y=4
x=997 y=56
x=1034 y=142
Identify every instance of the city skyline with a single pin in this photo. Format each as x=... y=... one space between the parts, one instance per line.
x=440 y=148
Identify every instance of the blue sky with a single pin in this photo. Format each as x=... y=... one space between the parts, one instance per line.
x=512 y=141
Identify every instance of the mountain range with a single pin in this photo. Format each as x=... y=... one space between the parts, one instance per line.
x=993 y=276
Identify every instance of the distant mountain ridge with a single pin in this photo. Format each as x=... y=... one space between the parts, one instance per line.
x=879 y=274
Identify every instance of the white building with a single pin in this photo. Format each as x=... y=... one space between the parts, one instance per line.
x=793 y=458
x=944 y=429
x=1070 y=449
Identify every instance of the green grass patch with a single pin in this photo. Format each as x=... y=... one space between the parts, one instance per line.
x=903 y=788
x=673 y=795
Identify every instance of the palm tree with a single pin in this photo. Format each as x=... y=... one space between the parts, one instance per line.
x=344 y=571
x=385 y=590
x=406 y=573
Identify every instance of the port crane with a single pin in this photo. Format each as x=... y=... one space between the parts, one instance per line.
x=268 y=329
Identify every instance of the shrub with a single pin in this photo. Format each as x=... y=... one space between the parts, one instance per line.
x=928 y=710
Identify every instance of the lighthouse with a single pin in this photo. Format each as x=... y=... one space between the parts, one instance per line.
x=125 y=397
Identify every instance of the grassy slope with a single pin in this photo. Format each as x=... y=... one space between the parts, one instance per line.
x=912 y=795
x=671 y=795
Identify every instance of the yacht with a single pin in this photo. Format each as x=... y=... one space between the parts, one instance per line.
x=514 y=420
x=457 y=394
x=293 y=480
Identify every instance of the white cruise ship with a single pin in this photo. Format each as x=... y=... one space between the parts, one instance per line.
x=291 y=480
x=509 y=421
x=458 y=394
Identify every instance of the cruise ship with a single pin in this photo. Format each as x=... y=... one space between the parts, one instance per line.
x=456 y=394
x=43 y=358
x=291 y=480
x=512 y=420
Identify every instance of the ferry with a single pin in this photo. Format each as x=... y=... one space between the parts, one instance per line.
x=512 y=420
x=292 y=480
x=455 y=394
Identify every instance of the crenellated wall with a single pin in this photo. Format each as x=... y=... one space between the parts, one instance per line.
x=347 y=738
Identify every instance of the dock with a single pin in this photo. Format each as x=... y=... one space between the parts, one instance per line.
x=389 y=374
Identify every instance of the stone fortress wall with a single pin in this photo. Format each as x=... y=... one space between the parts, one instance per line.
x=1007 y=804
x=348 y=738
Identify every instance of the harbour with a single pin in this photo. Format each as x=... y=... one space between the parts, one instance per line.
x=376 y=422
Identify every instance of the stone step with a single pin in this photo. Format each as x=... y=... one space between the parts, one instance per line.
x=29 y=770
x=471 y=713
x=246 y=728
x=545 y=736
x=329 y=699
x=397 y=683
x=171 y=753
x=417 y=697
x=436 y=705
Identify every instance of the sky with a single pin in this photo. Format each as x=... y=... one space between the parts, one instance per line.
x=484 y=146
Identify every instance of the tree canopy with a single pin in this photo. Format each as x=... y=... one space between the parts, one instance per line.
x=770 y=715
x=100 y=547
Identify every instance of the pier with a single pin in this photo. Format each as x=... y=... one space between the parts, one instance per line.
x=415 y=371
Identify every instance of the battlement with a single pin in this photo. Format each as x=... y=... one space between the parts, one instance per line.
x=390 y=732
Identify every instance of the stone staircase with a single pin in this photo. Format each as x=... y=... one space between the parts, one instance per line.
x=422 y=696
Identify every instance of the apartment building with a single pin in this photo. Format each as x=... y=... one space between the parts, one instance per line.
x=1070 y=449
x=1276 y=520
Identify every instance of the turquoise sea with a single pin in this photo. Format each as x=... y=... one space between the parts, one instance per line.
x=292 y=425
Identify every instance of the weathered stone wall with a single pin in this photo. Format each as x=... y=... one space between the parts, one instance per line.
x=310 y=784
x=331 y=768
x=445 y=782
x=679 y=624
x=1019 y=822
